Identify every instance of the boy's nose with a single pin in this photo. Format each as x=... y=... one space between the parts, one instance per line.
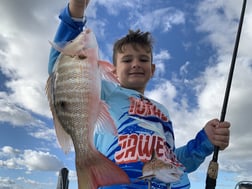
x=135 y=63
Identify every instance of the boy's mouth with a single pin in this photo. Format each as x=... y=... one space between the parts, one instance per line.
x=136 y=74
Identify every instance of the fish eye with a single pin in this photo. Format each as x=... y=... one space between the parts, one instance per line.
x=81 y=56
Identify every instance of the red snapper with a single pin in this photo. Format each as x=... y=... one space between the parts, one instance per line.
x=73 y=91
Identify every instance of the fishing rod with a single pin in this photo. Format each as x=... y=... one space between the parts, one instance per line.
x=212 y=171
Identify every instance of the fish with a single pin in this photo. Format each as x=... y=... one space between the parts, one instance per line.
x=73 y=91
x=165 y=171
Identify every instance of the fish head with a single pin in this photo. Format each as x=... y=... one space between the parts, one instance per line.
x=83 y=46
x=71 y=74
x=164 y=171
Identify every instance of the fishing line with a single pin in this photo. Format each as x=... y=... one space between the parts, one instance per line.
x=212 y=171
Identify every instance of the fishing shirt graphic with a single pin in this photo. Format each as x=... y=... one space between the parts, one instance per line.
x=145 y=135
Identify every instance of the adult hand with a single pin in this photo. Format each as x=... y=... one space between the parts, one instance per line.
x=218 y=133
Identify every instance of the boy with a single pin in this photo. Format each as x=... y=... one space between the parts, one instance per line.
x=143 y=125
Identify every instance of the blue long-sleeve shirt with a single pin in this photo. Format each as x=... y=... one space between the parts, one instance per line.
x=190 y=155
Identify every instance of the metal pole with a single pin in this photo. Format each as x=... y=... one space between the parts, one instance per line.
x=212 y=171
x=63 y=179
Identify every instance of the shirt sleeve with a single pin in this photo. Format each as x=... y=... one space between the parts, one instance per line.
x=68 y=29
x=195 y=151
x=107 y=89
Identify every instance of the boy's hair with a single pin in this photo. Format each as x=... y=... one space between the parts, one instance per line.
x=135 y=38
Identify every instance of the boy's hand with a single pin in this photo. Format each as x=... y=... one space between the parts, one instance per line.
x=77 y=7
x=218 y=133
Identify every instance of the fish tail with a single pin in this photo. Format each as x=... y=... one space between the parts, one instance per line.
x=102 y=172
x=108 y=173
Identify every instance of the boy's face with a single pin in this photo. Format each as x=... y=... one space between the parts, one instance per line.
x=134 y=68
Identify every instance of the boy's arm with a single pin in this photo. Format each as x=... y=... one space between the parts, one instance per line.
x=71 y=25
x=195 y=151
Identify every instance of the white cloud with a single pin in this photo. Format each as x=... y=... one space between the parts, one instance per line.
x=211 y=97
x=29 y=160
x=72 y=175
x=115 y=6
x=210 y=87
x=29 y=181
x=165 y=93
x=159 y=60
x=183 y=69
x=22 y=183
x=24 y=54
x=44 y=133
x=7 y=183
x=37 y=160
x=162 y=19
x=11 y=112
x=220 y=19
x=162 y=55
x=9 y=151
x=222 y=27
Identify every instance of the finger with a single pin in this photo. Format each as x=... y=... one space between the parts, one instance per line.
x=214 y=122
x=224 y=124
x=222 y=145
x=222 y=131
x=221 y=140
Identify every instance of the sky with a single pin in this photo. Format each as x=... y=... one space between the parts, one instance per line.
x=193 y=48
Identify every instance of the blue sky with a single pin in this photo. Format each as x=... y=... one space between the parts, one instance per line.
x=193 y=49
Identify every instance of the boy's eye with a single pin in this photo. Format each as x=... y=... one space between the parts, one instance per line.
x=144 y=60
x=126 y=60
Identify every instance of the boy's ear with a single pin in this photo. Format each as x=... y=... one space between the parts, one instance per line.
x=114 y=70
x=153 y=68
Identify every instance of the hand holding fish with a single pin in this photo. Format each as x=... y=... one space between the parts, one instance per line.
x=218 y=133
x=77 y=7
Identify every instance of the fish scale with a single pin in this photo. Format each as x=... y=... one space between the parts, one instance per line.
x=77 y=76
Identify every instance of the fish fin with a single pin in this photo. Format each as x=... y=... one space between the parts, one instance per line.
x=105 y=123
x=106 y=70
x=104 y=172
x=146 y=177
x=64 y=139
